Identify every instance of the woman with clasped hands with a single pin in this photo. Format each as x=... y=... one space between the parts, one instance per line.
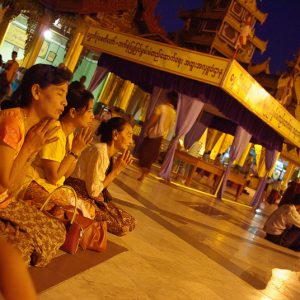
x=24 y=130
x=96 y=169
x=56 y=161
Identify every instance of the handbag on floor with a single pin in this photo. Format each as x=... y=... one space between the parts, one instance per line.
x=74 y=230
x=94 y=233
x=87 y=233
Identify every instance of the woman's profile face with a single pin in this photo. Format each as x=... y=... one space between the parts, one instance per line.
x=124 y=138
x=51 y=100
x=85 y=118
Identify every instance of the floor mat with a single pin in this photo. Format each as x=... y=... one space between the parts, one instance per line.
x=66 y=266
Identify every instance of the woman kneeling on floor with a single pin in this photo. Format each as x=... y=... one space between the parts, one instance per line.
x=283 y=225
x=56 y=161
x=95 y=170
x=24 y=130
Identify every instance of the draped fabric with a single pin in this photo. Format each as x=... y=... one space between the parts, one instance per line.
x=147 y=77
x=157 y=96
x=99 y=74
x=271 y=156
x=240 y=142
x=194 y=134
x=188 y=110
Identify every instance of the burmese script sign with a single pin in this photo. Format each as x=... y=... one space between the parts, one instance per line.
x=242 y=86
x=169 y=58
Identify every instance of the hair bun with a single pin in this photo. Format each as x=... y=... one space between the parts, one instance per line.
x=102 y=128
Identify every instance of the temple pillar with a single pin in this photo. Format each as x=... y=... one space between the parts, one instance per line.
x=216 y=148
x=258 y=150
x=5 y=24
x=261 y=164
x=111 y=91
x=244 y=156
x=75 y=49
x=212 y=136
x=125 y=95
x=107 y=83
x=288 y=173
x=36 y=46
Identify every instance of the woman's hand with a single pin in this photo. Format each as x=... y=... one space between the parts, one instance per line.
x=123 y=161
x=40 y=135
x=81 y=140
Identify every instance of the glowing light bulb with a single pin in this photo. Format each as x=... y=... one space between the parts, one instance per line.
x=47 y=34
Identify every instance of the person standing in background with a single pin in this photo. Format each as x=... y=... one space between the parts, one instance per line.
x=156 y=130
x=12 y=67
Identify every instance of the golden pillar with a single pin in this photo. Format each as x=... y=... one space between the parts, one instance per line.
x=75 y=49
x=216 y=148
x=244 y=156
x=228 y=140
x=3 y=30
x=145 y=105
x=288 y=173
x=212 y=137
x=38 y=40
x=261 y=164
x=107 y=83
x=111 y=90
x=125 y=95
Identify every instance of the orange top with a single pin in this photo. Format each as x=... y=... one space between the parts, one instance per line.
x=12 y=129
x=11 y=70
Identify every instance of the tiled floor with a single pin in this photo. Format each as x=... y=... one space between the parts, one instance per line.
x=186 y=246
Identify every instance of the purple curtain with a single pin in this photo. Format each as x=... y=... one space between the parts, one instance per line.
x=240 y=142
x=157 y=96
x=99 y=74
x=271 y=156
x=194 y=134
x=188 y=110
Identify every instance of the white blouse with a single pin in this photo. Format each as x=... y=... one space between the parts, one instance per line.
x=91 y=168
x=282 y=218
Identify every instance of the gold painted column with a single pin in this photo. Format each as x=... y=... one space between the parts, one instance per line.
x=111 y=90
x=216 y=148
x=107 y=83
x=212 y=136
x=244 y=155
x=261 y=165
x=75 y=49
x=288 y=173
x=4 y=27
x=33 y=53
x=125 y=95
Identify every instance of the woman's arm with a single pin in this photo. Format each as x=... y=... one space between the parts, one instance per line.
x=54 y=170
x=12 y=166
x=96 y=179
x=120 y=164
x=15 y=282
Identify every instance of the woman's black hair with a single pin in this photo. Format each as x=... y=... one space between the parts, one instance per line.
x=43 y=75
x=105 y=130
x=296 y=200
x=78 y=99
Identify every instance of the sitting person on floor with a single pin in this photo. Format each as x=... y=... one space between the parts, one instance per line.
x=24 y=130
x=96 y=170
x=283 y=225
x=56 y=161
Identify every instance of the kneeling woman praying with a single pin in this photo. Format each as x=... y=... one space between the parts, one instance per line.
x=96 y=169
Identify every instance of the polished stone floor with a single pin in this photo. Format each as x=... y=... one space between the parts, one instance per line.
x=186 y=245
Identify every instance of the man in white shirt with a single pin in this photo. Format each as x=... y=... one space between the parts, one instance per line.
x=283 y=225
x=156 y=130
